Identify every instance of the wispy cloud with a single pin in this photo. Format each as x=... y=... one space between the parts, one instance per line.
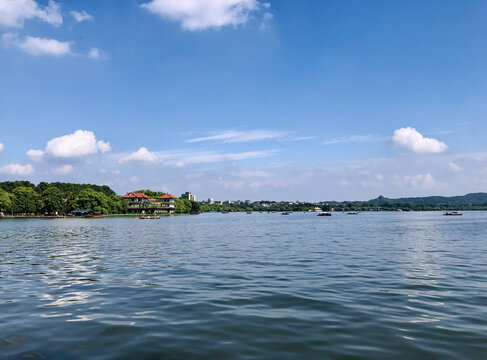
x=181 y=158
x=454 y=166
x=355 y=139
x=81 y=16
x=235 y=136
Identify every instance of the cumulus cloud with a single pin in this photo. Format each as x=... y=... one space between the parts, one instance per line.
x=81 y=16
x=17 y=169
x=13 y=13
x=232 y=136
x=203 y=14
x=1 y=147
x=140 y=156
x=78 y=144
x=63 y=169
x=134 y=179
x=35 y=155
x=412 y=140
x=38 y=46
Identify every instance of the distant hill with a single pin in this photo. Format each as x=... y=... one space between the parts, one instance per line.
x=463 y=200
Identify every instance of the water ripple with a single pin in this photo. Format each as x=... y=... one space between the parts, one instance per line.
x=374 y=286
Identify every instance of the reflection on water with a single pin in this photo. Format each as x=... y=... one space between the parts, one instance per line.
x=373 y=286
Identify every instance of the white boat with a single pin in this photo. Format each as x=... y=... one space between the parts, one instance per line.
x=453 y=213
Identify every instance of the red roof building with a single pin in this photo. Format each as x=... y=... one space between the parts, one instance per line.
x=167 y=196
x=135 y=195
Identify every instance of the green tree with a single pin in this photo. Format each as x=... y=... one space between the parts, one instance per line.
x=89 y=199
x=25 y=200
x=52 y=199
x=5 y=201
x=195 y=207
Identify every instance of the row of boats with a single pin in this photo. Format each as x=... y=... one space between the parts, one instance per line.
x=327 y=213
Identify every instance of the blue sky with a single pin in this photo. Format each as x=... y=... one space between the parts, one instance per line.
x=246 y=99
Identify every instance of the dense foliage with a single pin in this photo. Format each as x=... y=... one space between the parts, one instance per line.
x=152 y=194
x=23 y=197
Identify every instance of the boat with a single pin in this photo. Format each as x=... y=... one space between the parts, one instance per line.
x=324 y=213
x=285 y=213
x=352 y=213
x=142 y=217
x=249 y=212
x=453 y=213
x=224 y=212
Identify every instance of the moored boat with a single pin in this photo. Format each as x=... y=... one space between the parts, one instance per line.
x=453 y=213
x=324 y=213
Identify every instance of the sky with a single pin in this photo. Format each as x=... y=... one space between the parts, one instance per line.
x=308 y=100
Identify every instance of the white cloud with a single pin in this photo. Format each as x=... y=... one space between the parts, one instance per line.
x=232 y=136
x=454 y=167
x=253 y=173
x=39 y=46
x=81 y=16
x=202 y=157
x=13 y=13
x=411 y=139
x=134 y=179
x=96 y=53
x=78 y=144
x=63 y=169
x=266 y=18
x=35 y=155
x=140 y=156
x=354 y=139
x=1 y=147
x=203 y=14
x=420 y=181
x=17 y=169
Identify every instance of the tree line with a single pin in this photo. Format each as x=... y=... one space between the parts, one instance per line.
x=24 y=197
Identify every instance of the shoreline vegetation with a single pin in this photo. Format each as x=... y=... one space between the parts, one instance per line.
x=23 y=199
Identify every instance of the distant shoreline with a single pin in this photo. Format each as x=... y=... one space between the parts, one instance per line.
x=208 y=212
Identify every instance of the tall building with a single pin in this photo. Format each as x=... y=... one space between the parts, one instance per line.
x=189 y=196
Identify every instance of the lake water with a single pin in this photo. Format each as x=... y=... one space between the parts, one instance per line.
x=237 y=286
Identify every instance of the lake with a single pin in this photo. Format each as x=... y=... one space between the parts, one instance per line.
x=263 y=286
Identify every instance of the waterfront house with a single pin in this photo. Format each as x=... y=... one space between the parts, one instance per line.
x=140 y=203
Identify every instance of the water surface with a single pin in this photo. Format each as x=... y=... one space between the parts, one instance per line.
x=238 y=286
